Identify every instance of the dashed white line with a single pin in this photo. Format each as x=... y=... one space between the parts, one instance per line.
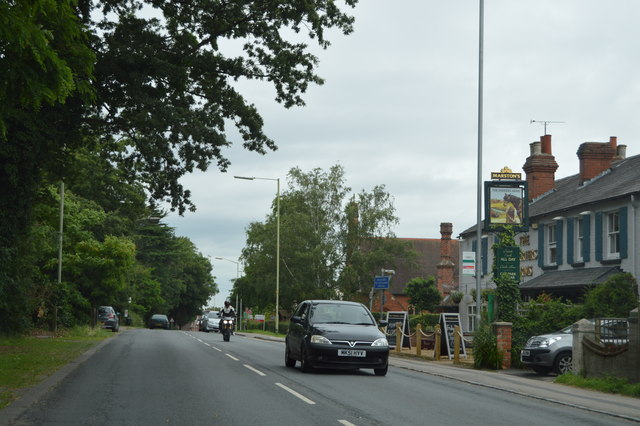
x=296 y=394
x=255 y=370
x=346 y=423
x=232 y=357
x=219 y=350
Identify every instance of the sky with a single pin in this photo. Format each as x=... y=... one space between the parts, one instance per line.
x=399 y=107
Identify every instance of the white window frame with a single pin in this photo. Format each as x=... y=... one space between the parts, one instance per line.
x=579 y=240
x=551 y=244
x=471 y=317
x=612 y=236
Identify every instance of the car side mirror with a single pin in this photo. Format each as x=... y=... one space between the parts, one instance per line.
x=296 y=319
x=383 y=323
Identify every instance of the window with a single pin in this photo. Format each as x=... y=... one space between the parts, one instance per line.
x=551 y=243
x=613 y=235
x=579 y=236
x=471 y=318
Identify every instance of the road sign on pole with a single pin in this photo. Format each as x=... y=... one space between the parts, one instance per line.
x=381 y=283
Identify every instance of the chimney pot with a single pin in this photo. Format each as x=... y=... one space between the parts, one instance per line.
x=613 y=140
x=546 y=144
x=535 y=149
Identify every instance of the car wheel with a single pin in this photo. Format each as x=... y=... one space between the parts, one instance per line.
x=305 y=364
x=381 y=371
x=563 y=363
x=288 y=361
x=541 y=370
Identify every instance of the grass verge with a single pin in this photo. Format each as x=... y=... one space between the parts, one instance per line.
x=265 y=333
x=601 y=384
x=27 y=360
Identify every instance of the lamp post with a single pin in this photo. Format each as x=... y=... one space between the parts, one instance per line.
x=277 y=241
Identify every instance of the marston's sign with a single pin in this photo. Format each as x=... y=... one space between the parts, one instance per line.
x=506 y=174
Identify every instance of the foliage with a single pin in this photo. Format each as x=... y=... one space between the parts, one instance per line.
x=428 y=321
x=331 y=242
x=456 y=296
x=541 y=316
x=507 y=289
x=168 y=84
x=601 y=384
x=423 y=293
x=614 y=298
x=485 y=349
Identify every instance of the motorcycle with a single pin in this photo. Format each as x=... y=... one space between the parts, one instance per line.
x=226 y=328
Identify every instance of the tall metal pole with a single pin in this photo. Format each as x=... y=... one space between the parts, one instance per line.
x=479 y=189
x=60 y=231
x=278 y=258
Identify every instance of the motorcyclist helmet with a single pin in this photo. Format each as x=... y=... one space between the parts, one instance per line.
x=226 y=303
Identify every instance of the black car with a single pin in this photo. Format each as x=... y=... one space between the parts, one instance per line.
x=159 y=321
x=108 y=317
x=336 y=334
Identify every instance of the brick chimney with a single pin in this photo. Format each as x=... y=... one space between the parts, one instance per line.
x=596 y=157
x=540 y=168
x=446 y=266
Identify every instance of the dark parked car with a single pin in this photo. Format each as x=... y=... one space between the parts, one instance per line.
x=108 y=317
x=159 y=321
x=336 y=334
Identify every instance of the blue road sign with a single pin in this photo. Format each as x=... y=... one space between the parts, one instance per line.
x=381 y=283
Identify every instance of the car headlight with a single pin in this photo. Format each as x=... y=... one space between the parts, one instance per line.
x=549 y=341
x=380 y=342
x=316 y=338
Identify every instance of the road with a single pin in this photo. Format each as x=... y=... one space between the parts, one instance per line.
x=153 y=377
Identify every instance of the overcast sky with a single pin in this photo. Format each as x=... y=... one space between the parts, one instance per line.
x=400 y=108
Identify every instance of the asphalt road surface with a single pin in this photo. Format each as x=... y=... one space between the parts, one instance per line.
x=160 y=377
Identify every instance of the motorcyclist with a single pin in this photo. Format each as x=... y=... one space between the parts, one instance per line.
x=227 y=312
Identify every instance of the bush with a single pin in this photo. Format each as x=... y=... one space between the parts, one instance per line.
x=428 y=321
x=616 y=297
x=485 y=349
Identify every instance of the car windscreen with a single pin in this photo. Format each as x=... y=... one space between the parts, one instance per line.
x=338 y=313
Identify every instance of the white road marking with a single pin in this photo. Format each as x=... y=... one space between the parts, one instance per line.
x=219 y=350
x=296 y=394
x=207 y=344
x=346 y=423
x=232 y=357
x=255 y=370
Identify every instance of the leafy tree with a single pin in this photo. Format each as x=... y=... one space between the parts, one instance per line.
x=167 y=86
x=616 y=297
x=423 y=293
x=331 y=242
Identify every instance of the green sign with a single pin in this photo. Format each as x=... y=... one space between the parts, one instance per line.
x=508 y=262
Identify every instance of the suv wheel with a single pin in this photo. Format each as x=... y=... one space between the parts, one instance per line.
x=563 y=363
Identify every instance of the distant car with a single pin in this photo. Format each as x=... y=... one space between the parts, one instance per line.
x=336 y=334
x=211 y=321
x=553 y=352
x=159 y=321
x=108 y=317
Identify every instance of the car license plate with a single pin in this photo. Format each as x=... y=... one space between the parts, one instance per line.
x=351 y=352
x=525 y=353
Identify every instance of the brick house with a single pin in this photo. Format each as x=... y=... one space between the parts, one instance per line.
x=436 y=258
x=583 y=228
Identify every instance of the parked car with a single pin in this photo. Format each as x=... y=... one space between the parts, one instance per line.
x=211 y=321
x=159 y=321
x=554 y=352
x=336 y=334
x=108 y=317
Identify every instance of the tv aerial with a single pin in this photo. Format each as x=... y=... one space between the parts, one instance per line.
x=545 y=123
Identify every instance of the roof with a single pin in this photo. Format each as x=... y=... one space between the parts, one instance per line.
x=426 y=263
x=621 y=180
x=578 y=277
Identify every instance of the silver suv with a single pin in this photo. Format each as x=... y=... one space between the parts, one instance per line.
x=554 y=351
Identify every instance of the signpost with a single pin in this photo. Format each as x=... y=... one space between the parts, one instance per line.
x=447 y=325
x=401 y=317
x=508 y=262
x=468 y=263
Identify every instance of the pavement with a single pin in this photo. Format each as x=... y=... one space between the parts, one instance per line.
x=514 y=381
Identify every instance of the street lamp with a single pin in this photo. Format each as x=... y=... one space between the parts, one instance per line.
x=277 y=242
